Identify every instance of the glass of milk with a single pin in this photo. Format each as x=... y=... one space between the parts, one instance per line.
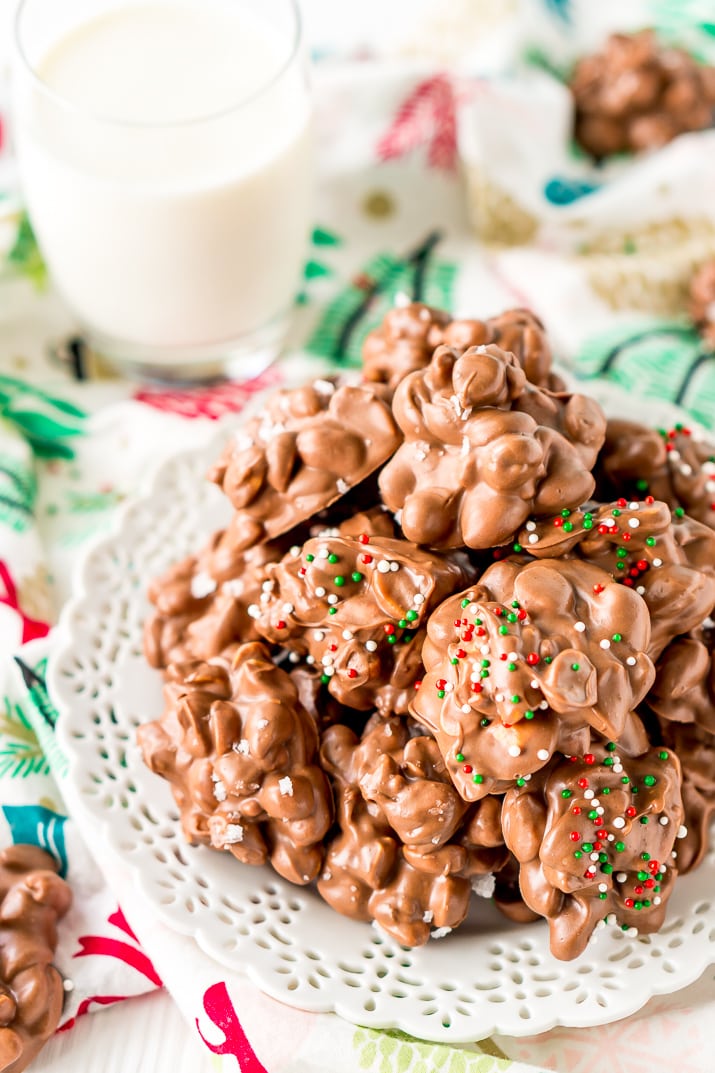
x=165 y=153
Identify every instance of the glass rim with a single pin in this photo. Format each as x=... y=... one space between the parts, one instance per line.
x=157 y=124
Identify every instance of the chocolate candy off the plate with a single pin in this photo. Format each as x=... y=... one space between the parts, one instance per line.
x=33 y=899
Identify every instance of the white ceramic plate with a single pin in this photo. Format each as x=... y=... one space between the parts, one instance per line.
x=489 y=976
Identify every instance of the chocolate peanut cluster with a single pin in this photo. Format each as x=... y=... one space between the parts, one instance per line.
x=636 y=94
x=33 y=899
x=457 y=637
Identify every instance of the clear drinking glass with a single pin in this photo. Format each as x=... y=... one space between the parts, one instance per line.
x=165 y=154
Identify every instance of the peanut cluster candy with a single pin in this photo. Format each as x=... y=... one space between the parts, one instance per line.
x=684 y=687
x=240 y=753
x=33 y=899
x=594 y=836
x=484 y=450
x=523 y=665
x=201 y=604
x=635 y=95
x=675 y=465
x=409 y=336
x=408 y=848
x=701 y=304
x=356 y=607
x=306 y=449
x=668 y=560
x=695 y=748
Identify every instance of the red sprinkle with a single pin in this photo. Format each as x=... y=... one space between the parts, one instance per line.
x=649 y=883
x=638 y=889
x=364 y=538
x=418 y=683
x=598 y=845
x=628 y=903
x=352 y=673
x=467 y=769
x=621 y=503
x=558 y=522
x=626 y=536
x=521 y=614
x=280 y=625
x=628 y=581
x=598 y=822
x=532 y=659
x=589 y=758
x=476 y=687
x=583 y=783
x=441 y=683
x=598 y=589
x=576 y=810
x=649 y=500
x=574 y=836
x=631 y=811
x=366 y=558
x=642 y=564
x=388 y=627
x=460 y=653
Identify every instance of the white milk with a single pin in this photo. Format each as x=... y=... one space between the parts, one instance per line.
x=161 y=226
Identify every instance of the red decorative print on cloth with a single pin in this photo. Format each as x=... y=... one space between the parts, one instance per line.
x=212 y=401
x=84 y=1006
x=220 y=1010
x=426 y=117
x=31 y=628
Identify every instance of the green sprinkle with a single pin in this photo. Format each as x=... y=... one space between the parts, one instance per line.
x=484 y=674
x=603 y=858
x=575 y=667
x=339 y=580
x=617 y=637
x=678 y=512
x=645 y=857
x=521 y=782
x=649 y=780
x=515 y=603
x=511 y=666
x=332 y=558
x=642 y=876
x=588 y=523
x=407 y=637
x=410 y=616
x=592 y=814
x=620 y=566
x=478 y=779
x=515 y=699
x=440 y=693
x=486 y=663
x=608 y=761
x=611 y=746
x=459 y=757
x=465 y=603
x=625 y=778
x=642 y=485
x=548 y=659
x=603 y=895
x=616 y=513
x=528 y=714
x=565 y=513
x=454 y=661
x=356 y=575
x=511 y=617
x=644 y=819
x=646 y=903
x=477 y=622
x=650 y=541
x=588 y=847
x=578 y=854
x=333 y=611
x=503 y=630
x=606 y=790
x=662 y=755
x=484 y=722
x=402 y=623
x=566 y=793
x=517 y=547
x=621 y=553
x=567 y=527
x=324 y=679
x=392 y=639
x=309 y=558
x=620 y=846
x=607 y=869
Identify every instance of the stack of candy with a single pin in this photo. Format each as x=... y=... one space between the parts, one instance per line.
x=456 y=638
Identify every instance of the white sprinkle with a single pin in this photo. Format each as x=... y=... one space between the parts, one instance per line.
x=544 y=705
x=330 y=671
x=533 y=538
x=484 y=650
x=674 y=455
x=420 y=455
x=320 y=591
x=242 y=747
x=686 y=469
x=371 y=645
x=293 y=657
x=347 y=635
x=633 y=523
x=499 y=697
x=530 y=527
x=268 y=586
x=323 y=553
x=483 y=886
x=534 y=684
x=394 y=567
x=682 y=831
x=427 y=916
x=618 y=821
x=383 y=566
x=631 y=661
x=594 y=856
x=657 y=900
x=603 y=887
x=68 y=985
x=318 y=635
x=621 y=877
x=543 y=754
x=202 y=584
x=634 y=505
x=466 y=709
x=332 y=599
x=607 y=521
x=262 y=724
x=285 y=786
x=233 y=834
x=657 y=562
x=265 y=598
x=295 y=550
x=327 y=661
x=632 y=932
x=512 y=656
x=439 y=933
x=600 y=810
x=342 y=486
x=579 y=627
x=514 y=750
x=418 y=598
x=605 y=643
x=254 y=611
x=310 y=660
x=617 y=769
x=288 y=609
x=588 y=794
x=664 y=821
x=324 y=387
x=219 y=788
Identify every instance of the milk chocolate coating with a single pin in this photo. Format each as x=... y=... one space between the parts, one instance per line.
x=701 y=303
x=594 y=836
x=676 y=466
x=308 y=447
x=684 y=687
x=357 y=607
x=407 y=846
x=695 y=748
x=635 y=95
x=669 y=561
x=516 y=669
x=240 y=753
x=33 y=899
x=484 y=449
x=409 y=336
